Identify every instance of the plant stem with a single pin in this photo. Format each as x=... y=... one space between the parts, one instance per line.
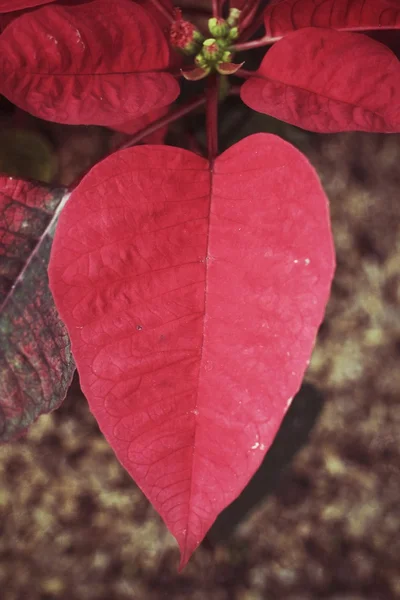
x=162 y=10
x=215 y=8
x=172 y=116
x=212 y=117
x=264 y=41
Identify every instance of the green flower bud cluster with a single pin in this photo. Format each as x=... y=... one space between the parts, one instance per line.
x=211 y=54
x=214 y=51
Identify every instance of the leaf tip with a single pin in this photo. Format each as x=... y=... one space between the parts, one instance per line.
x=186 y=551
x=188 y=542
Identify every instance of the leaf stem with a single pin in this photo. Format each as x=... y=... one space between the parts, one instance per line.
x=264 y=41
x=162 y=10
x=172 y=116
x=212 y=117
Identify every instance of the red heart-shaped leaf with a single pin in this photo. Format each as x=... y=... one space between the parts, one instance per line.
x=96 y=63
x=35 y=359
x=192 y=299
x=13 y=5
x=328 y=81
x=283 y=16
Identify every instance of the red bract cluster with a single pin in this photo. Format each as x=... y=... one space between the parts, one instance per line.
x=192 y=288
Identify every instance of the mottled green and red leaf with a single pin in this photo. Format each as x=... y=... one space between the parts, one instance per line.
x=36 y=365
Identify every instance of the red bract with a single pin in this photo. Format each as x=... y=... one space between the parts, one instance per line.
x=13 y=5
x=35 y=359
x=283 y=16
x=327 y=81
x=97 y=63
x=192 y=298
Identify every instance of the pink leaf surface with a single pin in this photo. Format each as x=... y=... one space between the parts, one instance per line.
x=97 y=63
x=36 y=365
x=283 y=16
x=13 y=5
x=192 y=300
x=327 y=81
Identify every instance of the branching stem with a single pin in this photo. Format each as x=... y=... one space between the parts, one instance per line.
x=172 y=116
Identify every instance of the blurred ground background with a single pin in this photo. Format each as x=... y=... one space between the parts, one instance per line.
x=321 y=519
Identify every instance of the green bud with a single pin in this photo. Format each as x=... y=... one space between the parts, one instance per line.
x=233 y=33
x=211 y=49
x=200 y=61
x=198 y=37
x=233 y=17
x=218 y=27
x=226 y=57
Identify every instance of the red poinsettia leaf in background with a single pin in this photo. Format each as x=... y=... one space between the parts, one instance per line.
x=135 y=125
x=283 y=16
x=35 y=359
x=164 y=23
x=13 y=5
x=8 y=17
x=192 y=313
x=327 y=81
x=96 y=63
